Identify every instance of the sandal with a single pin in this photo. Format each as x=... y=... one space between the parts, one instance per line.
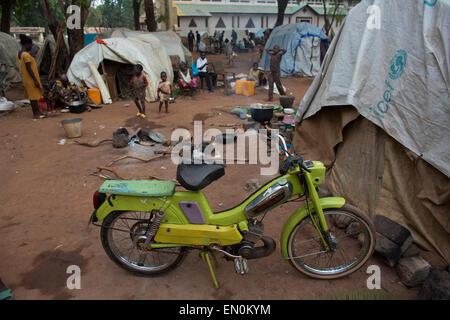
x=5 y=293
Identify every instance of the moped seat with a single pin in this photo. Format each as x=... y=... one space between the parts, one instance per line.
x=195 y=177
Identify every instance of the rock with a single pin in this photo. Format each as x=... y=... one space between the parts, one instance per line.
x=361 y=238
x=391 y=230
x=252 y=185
x=353 y=229
x=413 y=250
x=341 y=221
x=405 y=246
x=413 y=270
x=120 y=138
x=436 y=286
x=388 y=249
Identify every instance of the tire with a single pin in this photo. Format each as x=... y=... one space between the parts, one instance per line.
x=336 y=219
x=109 y=245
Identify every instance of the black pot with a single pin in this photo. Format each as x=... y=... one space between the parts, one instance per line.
x=263 y=114
x=77 y=107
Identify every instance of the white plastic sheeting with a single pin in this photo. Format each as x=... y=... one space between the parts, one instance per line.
x=9 y=48
x=395 y=73
x=149 y=53
x=170 y=40
x=302 y=44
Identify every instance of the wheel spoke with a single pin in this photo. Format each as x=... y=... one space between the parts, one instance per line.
x=307 y=252
x=121 y=235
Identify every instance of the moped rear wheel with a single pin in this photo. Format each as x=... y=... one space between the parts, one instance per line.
x=353 y=241
x=121 y=236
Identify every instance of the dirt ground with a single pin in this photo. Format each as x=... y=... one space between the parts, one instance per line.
x=46 y=199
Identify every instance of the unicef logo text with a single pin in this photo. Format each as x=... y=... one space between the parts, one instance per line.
x=398 y=63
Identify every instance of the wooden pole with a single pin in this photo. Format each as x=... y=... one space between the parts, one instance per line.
x=51 y=74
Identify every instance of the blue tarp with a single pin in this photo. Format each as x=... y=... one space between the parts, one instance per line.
x=302 y=43
x=89 y=38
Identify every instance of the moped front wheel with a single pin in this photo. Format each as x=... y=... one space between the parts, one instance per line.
x=352 y=239
x=122 y=235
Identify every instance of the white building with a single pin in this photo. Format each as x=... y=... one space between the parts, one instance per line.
x=252 y=15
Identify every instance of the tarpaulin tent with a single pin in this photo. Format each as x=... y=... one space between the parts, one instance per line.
x=45 y=55
x=378 y=116
x=9 y=49
x=170 y=40
x=302 y=43
x=150 y=53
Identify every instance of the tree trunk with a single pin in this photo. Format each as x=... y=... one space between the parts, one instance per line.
x=6 y=15
x=150 y=16
x=76 y=36
x=51 y=20
x=282 y=4
x=136 y=10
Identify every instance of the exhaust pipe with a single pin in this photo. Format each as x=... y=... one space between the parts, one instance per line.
x=264 y=251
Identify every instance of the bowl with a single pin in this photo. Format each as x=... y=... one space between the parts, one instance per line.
x=287 y=101
x=289 y=111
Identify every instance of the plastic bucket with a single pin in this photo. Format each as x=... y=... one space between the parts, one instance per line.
x=95 y=95
x=72 y=127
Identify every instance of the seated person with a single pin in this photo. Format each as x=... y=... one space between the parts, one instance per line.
x=256 y=74
x=64 y=91
x=212 y=74
x=186 y=80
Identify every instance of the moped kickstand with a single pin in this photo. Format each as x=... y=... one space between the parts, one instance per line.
x=204 y=253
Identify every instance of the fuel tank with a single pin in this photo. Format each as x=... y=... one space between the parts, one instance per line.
x=274 y=196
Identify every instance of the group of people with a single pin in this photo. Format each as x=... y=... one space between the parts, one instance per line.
x=139 y=84
x=54 y=94
x=63 y=91
x=191 y=38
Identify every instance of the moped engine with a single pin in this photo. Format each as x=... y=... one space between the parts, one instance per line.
x=247 y=247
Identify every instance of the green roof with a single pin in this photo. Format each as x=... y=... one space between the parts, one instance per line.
x=205 y=9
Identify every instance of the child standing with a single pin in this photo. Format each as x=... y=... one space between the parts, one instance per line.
x=138 y=85
x=164 y=92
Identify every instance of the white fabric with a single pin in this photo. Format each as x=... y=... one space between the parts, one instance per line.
x=9 y=48
x=202 y=62
x=186 y=77
x=404 y=63
x=106 y=97
x=149 y=53
x=169 y=39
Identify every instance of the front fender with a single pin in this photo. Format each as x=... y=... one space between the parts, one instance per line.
x=172 y=213
x=302 y=213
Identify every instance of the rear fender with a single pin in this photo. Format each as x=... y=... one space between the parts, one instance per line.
x=172 y=214
x=302 y=213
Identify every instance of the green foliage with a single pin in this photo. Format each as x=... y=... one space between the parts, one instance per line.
x=112 y=14
x=176 y=92
x=30 y=13
x=162 y=18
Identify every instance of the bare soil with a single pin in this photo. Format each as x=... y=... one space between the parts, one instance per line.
x=46 y=201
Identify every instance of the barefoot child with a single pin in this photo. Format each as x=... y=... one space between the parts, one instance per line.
x=138 y=84
x=164 y=92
